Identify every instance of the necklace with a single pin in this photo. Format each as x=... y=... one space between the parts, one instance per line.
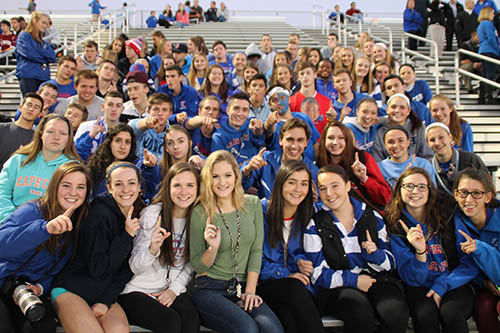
x=174 y=251
x=234 y=286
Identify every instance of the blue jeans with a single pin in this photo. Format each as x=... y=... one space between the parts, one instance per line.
x=218 y=310
x=181 y=25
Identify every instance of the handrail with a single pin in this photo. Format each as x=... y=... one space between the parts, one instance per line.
x=355 y=19
x=388 y=42
x=321 y=13
x=459 y=71
x=327 y=23
x=435 y=60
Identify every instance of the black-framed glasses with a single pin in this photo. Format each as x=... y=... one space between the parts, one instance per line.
x=464 y=194
x=410 y=187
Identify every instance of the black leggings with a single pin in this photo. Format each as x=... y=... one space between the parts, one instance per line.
x=456 y=307
x=144 y=311
x=13 y=320
x=360 y=311
x=292 y=303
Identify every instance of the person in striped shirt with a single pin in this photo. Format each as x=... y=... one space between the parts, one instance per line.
x=348 y=245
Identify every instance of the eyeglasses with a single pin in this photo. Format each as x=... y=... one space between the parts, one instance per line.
x=475 y=194
x=410 y=187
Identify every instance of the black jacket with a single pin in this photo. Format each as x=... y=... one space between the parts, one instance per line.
x=465 y=24
x=436 y=14
x=100 y=270
x=448 y=13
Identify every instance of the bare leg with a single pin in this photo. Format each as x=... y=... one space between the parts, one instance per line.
x=75 y=315
x=114 y=320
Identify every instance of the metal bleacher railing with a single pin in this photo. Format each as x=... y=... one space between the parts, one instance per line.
x=434 y=50
x=459 y=71
x=72 y=39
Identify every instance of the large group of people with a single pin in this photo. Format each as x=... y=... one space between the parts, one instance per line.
x=176 y=186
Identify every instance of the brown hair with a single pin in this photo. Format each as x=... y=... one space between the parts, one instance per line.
x=86 y=74
x=167 y=161
x=347 y=158
x=167 y=206
x=50 y=208
x=33 y=148
x=456 y=121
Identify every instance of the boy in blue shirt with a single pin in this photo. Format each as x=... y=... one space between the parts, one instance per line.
x=184 y=98
x=418 y=90
x=241 y=135
x=152 y=21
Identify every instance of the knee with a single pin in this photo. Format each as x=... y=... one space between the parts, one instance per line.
x=119 y=327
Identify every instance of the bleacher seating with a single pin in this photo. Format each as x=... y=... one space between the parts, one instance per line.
x=484 y=119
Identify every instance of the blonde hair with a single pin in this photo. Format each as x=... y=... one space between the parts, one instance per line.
x=484 y=14
x=207 y=197
x=32 y=29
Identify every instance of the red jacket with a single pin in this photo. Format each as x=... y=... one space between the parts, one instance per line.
x=376 y=189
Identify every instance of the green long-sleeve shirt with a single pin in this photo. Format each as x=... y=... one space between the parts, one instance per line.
x=250 y=252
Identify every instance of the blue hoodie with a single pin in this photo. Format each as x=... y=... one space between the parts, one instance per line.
x=273 y=258
x=487 y=254
x=434 y=273
x=327 y=89
x=148 y=139
x=20 y=184
x=20 y=235
x=33 y=58
x=186 y=101
x=242 y=142
x=421 y=92
x=266 y=175
x=338 y=106
x=364 y=138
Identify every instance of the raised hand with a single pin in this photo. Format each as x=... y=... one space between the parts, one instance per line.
x=181 y=117
x=197 y=162
x=451 y=170
x=412 y=161
x=470 y=245
x=150 y=159
x=212 y=234
x=131 y=224
x=97 y=128
x=305 y=266
x=152 y=122
x=359 y=169
x=61 y=223
x=415 y=236
x=369 y=245
x=255 y=163
x=157 y=237
x=256 y=126
x=344 y=112
x=331 y=114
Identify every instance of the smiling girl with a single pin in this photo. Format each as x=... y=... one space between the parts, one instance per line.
x=425 y=242
x=42 y=232
x=348 y=246
x=156 y=297
x=285 y=274
x=26 y=174
x=226 y=239
x=86 y=291
x=337 y=147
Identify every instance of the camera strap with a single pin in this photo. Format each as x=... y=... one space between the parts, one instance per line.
x=37 y=250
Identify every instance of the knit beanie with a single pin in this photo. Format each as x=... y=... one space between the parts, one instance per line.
x=135 y=44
